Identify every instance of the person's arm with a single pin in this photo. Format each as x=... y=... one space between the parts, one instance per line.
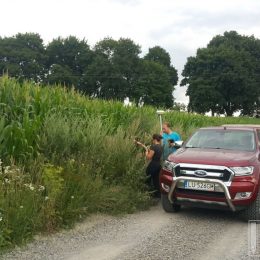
x=149 y=154
x=141 y=144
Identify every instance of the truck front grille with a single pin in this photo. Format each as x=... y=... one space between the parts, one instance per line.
x=212 y=172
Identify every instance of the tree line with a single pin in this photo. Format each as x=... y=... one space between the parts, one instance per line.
x=112 y=69
x=223 y=77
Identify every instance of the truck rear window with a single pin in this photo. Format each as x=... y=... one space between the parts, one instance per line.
x=240 y=140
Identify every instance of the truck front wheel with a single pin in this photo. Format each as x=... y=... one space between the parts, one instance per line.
x=168 y=206
x=253 y=211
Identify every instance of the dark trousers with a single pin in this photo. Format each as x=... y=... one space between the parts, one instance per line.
x=152 y=172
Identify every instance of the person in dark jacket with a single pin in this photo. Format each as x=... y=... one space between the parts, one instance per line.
x=154 y=154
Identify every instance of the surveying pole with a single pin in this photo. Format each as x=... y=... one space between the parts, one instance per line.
x=160 y=113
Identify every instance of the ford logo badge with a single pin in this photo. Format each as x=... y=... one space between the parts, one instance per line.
x=200 y=173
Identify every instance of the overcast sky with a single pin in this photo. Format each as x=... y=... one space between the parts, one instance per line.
x=179 y=26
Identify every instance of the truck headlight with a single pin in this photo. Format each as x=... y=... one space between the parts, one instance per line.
x=169 y=166
x=242 y=171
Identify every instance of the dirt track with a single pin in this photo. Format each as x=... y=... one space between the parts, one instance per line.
x=153 y=234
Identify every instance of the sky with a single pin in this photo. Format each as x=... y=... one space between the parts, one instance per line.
x=178 y=26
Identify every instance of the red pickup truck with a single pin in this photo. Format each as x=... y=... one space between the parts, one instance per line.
x=218 y=167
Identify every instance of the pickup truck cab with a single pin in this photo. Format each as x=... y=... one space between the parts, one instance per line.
x=218 y=167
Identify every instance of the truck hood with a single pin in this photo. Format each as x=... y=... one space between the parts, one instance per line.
x=221 y=157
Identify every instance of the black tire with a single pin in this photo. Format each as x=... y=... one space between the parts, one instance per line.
x=168 y=206
x=253 y=211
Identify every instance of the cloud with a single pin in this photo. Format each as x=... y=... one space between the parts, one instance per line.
x=188 y=28
x=178 y=26
x=127 y=2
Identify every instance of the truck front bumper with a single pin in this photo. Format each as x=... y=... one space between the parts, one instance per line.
x=220 y=183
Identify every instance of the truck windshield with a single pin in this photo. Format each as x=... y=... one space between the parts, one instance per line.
x=240 y=140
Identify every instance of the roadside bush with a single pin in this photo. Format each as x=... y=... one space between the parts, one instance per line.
x=20 y=203
x=54 y=185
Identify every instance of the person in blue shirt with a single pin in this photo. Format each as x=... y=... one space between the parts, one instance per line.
x=168 y=138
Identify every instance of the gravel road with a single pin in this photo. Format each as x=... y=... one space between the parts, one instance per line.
x=154 y=234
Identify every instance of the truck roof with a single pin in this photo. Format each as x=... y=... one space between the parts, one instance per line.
x=235 y=126
x=241 y=126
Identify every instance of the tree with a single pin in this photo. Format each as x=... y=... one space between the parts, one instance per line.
x=67 y=61
x=23 y=56
x=168 y=77
x=154 y=85
x=118 y=72
x=63 y=75
x=114 y=69
x=161 y=56
x=158 y=54
x=224 y=77
x=101 y=79
x=126 y=62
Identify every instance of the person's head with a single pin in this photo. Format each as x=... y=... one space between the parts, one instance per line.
x=166 y=128
x=157 y=138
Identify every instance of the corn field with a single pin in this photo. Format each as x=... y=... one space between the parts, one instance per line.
x=64 y=156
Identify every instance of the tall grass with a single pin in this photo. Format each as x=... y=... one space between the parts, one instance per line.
x=65 y=155
x=186 y=123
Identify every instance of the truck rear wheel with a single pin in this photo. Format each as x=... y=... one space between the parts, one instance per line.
x=168 y=206
x=253 y=211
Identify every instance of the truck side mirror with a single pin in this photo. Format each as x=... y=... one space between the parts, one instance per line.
x=178 y=144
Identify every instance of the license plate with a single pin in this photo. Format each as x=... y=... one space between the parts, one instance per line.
x=196 y=185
